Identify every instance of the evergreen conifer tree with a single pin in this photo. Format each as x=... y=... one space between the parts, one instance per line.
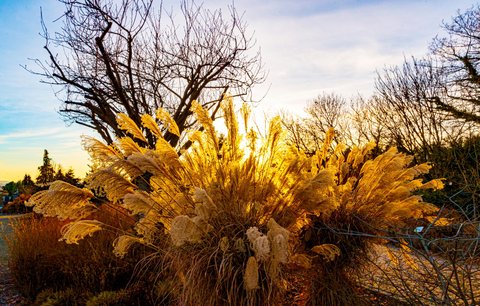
x=59 y=176
x=70 y=177
x=27 y=185
x=46 y=170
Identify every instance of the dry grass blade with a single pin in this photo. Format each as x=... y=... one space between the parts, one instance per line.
x=123 y=243
x=77 y=230
x=100 y=151
x=116 y=186
x=63 y=200
x=127 y=124
x=328 y=251
x=149 y=123
x=204 y=119
x=251 y=274
x=168 y=121
x=129 y=146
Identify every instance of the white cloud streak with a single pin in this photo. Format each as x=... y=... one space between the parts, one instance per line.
x=23 y=134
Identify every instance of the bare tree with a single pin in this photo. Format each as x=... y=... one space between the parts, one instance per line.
x=364 y=125
x=458 y=62
x=296 y=132
x=324 y=112
x=406 y=109
x=134 y=56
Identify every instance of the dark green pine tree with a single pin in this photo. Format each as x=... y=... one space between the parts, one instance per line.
x=70 y=177
x=27 y=186
x=47 y=172
x=59 y=176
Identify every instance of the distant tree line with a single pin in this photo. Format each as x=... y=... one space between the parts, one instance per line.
x=20 y=191
x=48 y=174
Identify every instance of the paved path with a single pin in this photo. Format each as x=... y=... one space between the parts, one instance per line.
x=8 y=294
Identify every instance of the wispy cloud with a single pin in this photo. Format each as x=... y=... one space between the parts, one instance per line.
x=28 y=134
x=338 y=47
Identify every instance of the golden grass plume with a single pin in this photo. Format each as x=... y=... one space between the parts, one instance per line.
x=234 y=207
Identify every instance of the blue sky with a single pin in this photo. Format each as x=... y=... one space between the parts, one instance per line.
x=29 y=122
x=308 y=47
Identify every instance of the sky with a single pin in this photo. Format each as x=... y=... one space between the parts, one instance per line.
x=308 y=47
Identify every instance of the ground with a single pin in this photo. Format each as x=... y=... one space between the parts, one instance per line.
x=8 y=295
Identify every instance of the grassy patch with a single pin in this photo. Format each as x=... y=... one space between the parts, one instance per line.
x=39 y=261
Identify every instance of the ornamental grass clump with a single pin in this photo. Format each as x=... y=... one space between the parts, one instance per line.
x=372 y=198
x=39 y=262
x=226 y=215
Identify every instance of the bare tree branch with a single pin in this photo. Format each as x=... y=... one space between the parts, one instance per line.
x=132 y=56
